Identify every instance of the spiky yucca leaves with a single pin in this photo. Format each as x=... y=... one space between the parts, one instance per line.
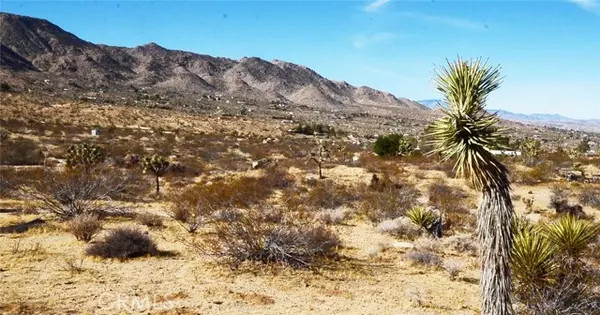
x=466 y=132
x=157 y=165
x=85 y=155
x=532 y=258
x=421 y=217
x=570 y=235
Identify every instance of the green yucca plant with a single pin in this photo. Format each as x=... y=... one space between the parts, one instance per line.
x=85 y=155
x=157 y=165
x=421 y=217
x=570 y=235
x=466 y=132
x=521 y=224
x=532 y=258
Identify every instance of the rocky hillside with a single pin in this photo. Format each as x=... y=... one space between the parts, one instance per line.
x=31 y=45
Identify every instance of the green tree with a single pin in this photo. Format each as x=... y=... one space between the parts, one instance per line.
x=85 y=155
x=466 y=132
x=583 y=146
x=157 y=165
x=393 y=144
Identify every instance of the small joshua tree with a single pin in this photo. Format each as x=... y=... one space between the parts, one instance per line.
x=319 y=156
x=85 y=155
x=157 y=165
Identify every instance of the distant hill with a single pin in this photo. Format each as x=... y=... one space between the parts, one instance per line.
x=31 y=45
x=549 y=120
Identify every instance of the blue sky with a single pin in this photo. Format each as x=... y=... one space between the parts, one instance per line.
x=549 y=50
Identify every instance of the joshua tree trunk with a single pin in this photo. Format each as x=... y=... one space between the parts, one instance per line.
x=320 y=171
x=494 y=219
x=157 y=185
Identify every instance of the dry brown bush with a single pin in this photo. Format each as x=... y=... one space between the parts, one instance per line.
x=12 y=178
x=445 y=197
x=317 y=196
x=72 y=193
x=150 y=220
x=253 y=237
x=590 y=196
x=20 y=151
x=123 y=243
x=390 y=202
x=540 y=173
x=84 y=226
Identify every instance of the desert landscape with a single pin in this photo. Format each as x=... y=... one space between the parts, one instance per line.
x=146 y=180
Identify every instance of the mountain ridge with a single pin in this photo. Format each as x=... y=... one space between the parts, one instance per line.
x=36 y=45
x=539 y=119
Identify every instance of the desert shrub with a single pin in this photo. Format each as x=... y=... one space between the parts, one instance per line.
x=462 y=243
x=84 y=226
x=190 y=209
x=401 y=227
x=453 y=268
x=312 y=129
x=123 y=243
x=574 y=292
x=387 y=203
x=68 y=194
x=424 y=258
x=12 y=178
x=149 y=219
x=590 y=196
x=20 y=151
x=428 y=244
x=445 y=197
x=327 y=195
x=254 y=238
x=5 y=87
x=393 y=144
x=559 y=196
x=333 y=216
x=540 y=173
x=318 y=196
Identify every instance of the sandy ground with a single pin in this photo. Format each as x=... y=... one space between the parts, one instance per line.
x=36 y=274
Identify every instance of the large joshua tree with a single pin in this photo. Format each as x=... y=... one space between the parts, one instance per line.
x=466 y=132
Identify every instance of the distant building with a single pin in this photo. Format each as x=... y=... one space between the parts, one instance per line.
x=95 y=132
x=506 y=152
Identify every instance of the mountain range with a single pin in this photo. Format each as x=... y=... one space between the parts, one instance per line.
x=548 y=120
x=35 y=45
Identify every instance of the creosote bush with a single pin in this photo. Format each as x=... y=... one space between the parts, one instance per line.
x=424 y=258
x=401 y=227
x=150 y=220
x=254 y=237
x=71 y=193
x=84 y=226
x=590 y=196
x=387 y=203
x=123 y=243
x=20 y=151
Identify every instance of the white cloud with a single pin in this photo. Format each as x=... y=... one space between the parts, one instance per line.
x=362 y=40
x=375 y=5
x=586 y=4
x=446 y=21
